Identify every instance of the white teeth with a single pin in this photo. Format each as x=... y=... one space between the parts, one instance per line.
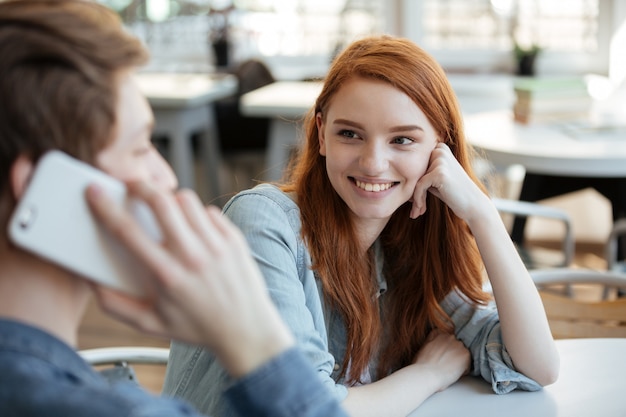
x=373 y=187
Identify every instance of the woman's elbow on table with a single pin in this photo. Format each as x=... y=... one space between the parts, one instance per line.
x=548 y=374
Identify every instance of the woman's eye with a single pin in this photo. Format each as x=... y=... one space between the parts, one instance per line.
x=348 y=134
x=402 y=140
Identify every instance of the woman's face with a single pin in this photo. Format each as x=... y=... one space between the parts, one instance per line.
x=377 y=143
x=131 y=155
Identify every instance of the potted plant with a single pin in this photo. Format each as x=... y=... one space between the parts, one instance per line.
x=525 y=58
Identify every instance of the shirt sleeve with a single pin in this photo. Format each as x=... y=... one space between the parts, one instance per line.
x=283 y=387
x=270 y=221
x=478 y=327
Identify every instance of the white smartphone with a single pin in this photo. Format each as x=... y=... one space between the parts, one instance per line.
x=53 y=220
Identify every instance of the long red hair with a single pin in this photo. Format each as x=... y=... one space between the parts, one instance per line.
x=424 y=259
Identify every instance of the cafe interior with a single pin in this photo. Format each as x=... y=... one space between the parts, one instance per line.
x=542 y=89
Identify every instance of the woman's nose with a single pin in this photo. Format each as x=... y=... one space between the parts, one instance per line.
x=374 y=158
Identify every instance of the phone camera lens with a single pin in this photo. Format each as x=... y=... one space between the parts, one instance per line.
x=27 y=217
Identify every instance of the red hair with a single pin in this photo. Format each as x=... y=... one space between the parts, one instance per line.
x=424 y=259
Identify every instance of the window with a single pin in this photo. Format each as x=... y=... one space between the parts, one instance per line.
x=479 y=35
x=576 y=36
x=496 y=24
x=284 y=31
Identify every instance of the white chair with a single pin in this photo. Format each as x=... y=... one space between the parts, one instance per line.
x=613 y=261
x=120 y=363
x=532 y=257
x=582 y=302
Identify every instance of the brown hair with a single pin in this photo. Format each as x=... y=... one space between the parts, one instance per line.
x=58 y=73
x=424 y=259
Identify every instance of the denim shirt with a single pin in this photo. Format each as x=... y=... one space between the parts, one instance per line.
x=42 y=376
x=270 y=220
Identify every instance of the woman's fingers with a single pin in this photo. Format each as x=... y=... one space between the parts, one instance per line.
x=446 y=179
x=430 y=182
x=447 y=355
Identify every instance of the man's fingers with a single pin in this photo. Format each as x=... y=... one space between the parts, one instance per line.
x=120 y=223
x=199 y=220
x=178 y=235
x=137 y=313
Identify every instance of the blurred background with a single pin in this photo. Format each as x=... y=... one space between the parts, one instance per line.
x=297 y=38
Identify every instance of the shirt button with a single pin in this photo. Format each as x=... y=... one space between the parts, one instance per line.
x=336 y=367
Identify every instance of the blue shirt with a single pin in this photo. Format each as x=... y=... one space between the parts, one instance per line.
x=42 y=376
x=270 y=220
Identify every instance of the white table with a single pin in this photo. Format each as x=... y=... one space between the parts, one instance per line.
x=549 y=149
x=182 y=107
x=286 y=103
x=591 y=383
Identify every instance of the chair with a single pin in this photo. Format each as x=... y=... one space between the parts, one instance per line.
x=239 y=133
x=120 y=363
x=581 y=302
x=535 y=257
x=614 y=261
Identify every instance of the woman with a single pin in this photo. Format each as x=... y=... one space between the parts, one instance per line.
x=375 y=251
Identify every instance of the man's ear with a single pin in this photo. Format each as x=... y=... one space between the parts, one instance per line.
x=21 y=171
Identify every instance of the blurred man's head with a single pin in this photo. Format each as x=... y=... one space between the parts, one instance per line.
x=66 y=83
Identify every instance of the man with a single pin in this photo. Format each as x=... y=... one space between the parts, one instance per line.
x=66 y=83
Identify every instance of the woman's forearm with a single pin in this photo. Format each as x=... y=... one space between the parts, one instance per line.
x=438 y=364
x=395 y=395
x=524 y=325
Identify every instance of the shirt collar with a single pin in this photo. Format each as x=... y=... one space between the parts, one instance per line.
x=29 y=340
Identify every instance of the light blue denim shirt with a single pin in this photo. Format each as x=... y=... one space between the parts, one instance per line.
x=270 y=220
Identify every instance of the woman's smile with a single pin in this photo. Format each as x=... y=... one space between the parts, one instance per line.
x=373 y=187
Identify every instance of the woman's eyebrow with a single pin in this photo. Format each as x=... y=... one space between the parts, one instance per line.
x=347 y=122
x=405 y=128
x=402 y=128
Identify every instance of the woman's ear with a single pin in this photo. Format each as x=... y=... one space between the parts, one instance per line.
x=319 y=121
x=21 y=171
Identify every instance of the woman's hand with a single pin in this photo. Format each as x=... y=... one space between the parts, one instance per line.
x=207 y=289
x=446 y=179
x=446 y=356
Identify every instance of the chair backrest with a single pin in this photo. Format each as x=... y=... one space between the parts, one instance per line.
x=239 y=133
x=613 y=259
x=128 y=363
x=528 y=210
x=252 y=74
x=591 y=311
